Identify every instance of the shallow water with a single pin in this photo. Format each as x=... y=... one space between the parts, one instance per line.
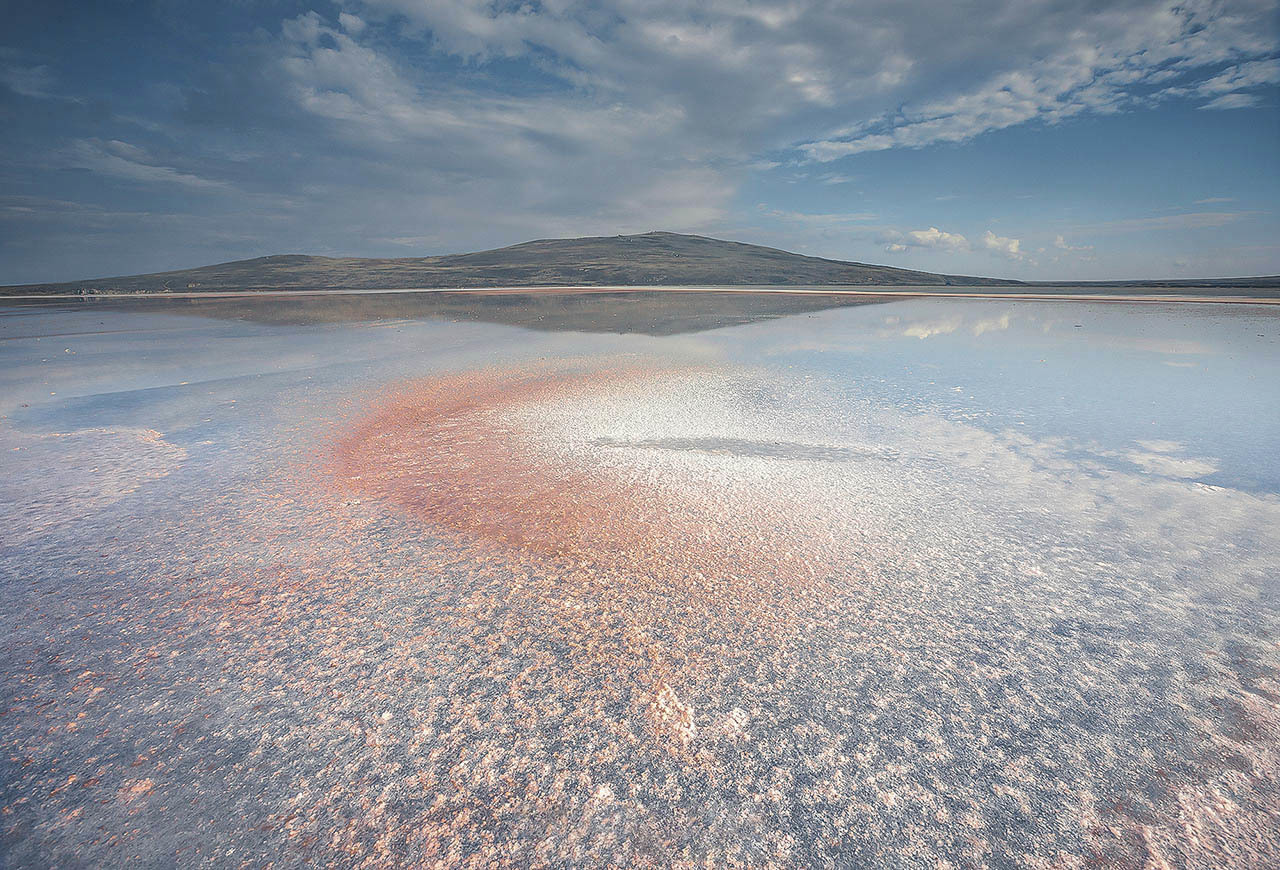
x=639 y=578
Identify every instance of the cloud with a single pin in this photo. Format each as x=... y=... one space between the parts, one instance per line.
x=1070 y=252
x=36 y=81
x=1228 y=88
x=746 y=73
x=564 y=163
x=739 y=66
x=1231 y=101
x=936 y=238
x=1061 y=244
x=29 y=81
x=475 y=123
x=352 y=24
x=1006 y=247
x=827 y=219
x=896 y=241
x=1184 y=221
x=1105 y=61
x=131 y=163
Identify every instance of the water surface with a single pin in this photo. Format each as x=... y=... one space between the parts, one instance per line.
x=639 y=578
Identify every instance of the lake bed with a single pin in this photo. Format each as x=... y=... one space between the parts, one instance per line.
x=630 y=578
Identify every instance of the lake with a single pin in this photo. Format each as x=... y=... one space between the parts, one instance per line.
x=639 y=578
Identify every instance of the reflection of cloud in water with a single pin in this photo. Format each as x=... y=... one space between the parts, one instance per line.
x=992 y=324
x=1162 y=446
x=928 y=328
x=1159 y=457
x=1031 y=617
x=632 y=612
x=1172 y=466
x=59 y=477
x=1171 y=346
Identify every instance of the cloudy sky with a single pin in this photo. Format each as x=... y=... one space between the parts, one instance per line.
x=1028 y=138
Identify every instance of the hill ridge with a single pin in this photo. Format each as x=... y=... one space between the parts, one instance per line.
x=656 y=258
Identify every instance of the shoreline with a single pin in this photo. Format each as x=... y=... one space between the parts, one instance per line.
x=908 y=292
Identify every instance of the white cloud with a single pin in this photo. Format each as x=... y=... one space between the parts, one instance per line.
x=352 y=24
x=827 y=219
x=29 y=81
x=1082 y=253
x=1185 y=221
x=26 y=79
x=1003 y=245
x=818 y=51
x=123 y=160
x=894 y=78
x=636 y=115
x=1102 y=62
x=1233 y=81
x=1232 y=101
x=1061 y=244
x=1229 y=88
x=482 y=122
x=897 y=242
x=559 y=164
x=936 y=238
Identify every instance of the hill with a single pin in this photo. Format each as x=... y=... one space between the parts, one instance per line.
x=651 y=259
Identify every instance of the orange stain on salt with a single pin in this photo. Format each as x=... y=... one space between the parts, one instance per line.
x=664 y=585
x=440 y=450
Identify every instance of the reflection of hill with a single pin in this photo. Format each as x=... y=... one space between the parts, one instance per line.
x=634 y=311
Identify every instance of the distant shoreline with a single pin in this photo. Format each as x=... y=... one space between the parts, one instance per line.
x=665 y=261
x=1016 y=292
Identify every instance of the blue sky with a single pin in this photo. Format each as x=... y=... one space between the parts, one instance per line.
x=1039 y=139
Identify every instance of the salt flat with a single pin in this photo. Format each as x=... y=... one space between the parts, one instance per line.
x=532 y=580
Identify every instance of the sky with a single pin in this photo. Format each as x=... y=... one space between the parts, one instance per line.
x=1034 y=139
